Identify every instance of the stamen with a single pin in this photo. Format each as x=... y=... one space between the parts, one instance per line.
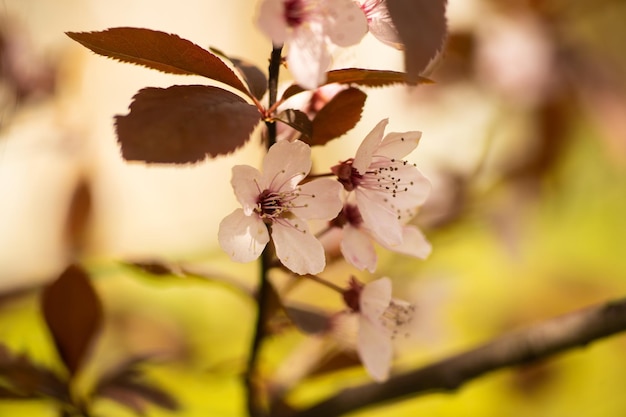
x=397 y=316
x=295 y=12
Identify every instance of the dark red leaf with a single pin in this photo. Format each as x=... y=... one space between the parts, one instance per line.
x=421 y=25
x=252 y=75
x=158 y=50
x=73 y=313
x=297 y=120
x=136 y=395
x=23 y=379
x=126 y=384
x=184 y=123
x=126 y=398
x=338 y=116
x=362 y=77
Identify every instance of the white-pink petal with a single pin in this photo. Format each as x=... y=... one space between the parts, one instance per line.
x=345 y=22
x=414 y=243
x=356 y=247
x=374 y=339
x=245 y=182
x=368 y=147
x=398 y=144
x=375 y=298
x=285 y=165
x=271 y=21
x=308 y=57
x=374 y=348
x=318 y=199
x=378 y=216
x=242 y=237
x=417 y=188
x=297 y=248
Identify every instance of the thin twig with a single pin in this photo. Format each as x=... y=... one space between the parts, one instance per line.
x=255 y=404
x=276 y=59
x=254 y=399
x=537 y=342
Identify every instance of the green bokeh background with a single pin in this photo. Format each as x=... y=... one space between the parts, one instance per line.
x=518 y=251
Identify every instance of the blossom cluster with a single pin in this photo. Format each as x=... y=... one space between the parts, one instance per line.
x=372 y=198
x=312 y=28
x=367 y=199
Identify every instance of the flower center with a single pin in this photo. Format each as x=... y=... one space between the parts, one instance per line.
x=398 y=315
x=348 y=176
x=382 y=175
x=349 y=214
x=272 y=204
x=295 y=12
x=352 y=295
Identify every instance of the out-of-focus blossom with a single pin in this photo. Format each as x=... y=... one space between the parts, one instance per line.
x=516 y=57
x=380 y=319
x=387 y=190
x=309 y=27
x=274 y=200
x=380 y=24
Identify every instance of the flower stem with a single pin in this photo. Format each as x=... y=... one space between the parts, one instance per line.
x=276 y=59
x=325 y=283
x=254 y=395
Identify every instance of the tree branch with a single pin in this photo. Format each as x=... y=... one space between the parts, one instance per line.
x=253 y=393
x=537 y=342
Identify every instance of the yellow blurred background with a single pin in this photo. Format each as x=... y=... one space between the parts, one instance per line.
x=524 y=140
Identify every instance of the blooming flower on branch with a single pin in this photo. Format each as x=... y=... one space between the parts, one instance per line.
x=387 y=191
x=273 y=200
x=309 y=27
x=380 y=319
x=380 y=24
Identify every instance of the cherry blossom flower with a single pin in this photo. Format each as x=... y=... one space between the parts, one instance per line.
x=309 y=27
x=380 y=24
x=387 y=191
x=273 y=200
x=380 y=319
x=356 y=243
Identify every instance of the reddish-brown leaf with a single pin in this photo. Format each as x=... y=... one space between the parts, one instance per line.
x=73 y=313
x=362 y=77
x=184 y=123
x=338 y=116
x=23 y=379
x=252 y=75
x=421 y=25
x=297 y=120
x=127 y=385
x=158 y=50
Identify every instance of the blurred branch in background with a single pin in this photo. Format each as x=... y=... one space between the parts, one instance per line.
x=537 y=342
x=554 y=194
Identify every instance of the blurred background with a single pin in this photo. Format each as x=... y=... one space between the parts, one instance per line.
x=524 y=140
